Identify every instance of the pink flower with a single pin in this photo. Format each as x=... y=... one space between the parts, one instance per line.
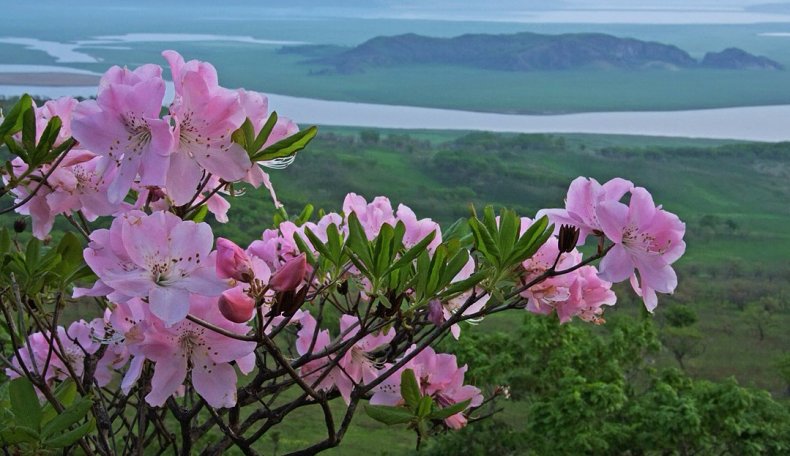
x=123 y=126
x=373 y=215
x=188 y=347
x=647 y=238
x=581 y=204
x=417 y=230
x=440 y=377
x=69 y=353
x=74 y=185
x=61 y=108
x=576 y=294
x=277 y=246
x=357 y=365
x=205 y=116
x=309 y=340
x=157 y=256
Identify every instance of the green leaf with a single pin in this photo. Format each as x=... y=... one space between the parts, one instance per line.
x=382 y=253
x=528 y=239
x=412 y=253
x=48 y=138
x=302 y=246
x=5 y=241
x=71 y=437
x=249 y=132
x=287 y=146
x=463 y=285
x=509 y=227
x=424 y=407
x=307 y=212
x=389 y=415
x=200 y=214
x=485 y=242
x=70 y=250
x=65 y=393
x=12 y=123
x=24 y=403
x=29 y=130
x=16 y=434
x=357 y=240
x=68 y=417
x=263 y=135
x=449 y=411
x=410 y=389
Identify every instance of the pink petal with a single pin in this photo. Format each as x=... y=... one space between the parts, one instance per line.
x=169 y=303
x=168 y=376
x=216 y=383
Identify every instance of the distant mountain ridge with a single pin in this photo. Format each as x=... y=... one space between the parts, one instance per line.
x=529 y=52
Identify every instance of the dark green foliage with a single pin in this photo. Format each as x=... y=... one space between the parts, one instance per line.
x=594 y=392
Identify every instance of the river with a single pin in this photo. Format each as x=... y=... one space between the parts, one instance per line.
x=758 y=123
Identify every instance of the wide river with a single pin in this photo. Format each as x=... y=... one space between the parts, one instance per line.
x=759 y=123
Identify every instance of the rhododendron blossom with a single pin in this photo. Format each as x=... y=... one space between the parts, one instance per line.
x=356 y=366
x=188 y=347
x=69 y=350
x=585 y=195
x=157 y=256
x=123 y=126
x=205 y=117
x=647 y=238
x=440 y=377
x=577 y=294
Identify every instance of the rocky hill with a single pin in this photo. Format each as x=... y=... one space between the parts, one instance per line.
x=529 y=52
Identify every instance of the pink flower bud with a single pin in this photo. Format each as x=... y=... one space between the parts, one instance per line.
x=290 y=275
x=233 y=262
x=236 y=305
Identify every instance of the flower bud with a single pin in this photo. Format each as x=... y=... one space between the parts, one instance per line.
x=233 y=262
x=236 y=305
x=568 y=238
x=290 y=275
x=20 y=225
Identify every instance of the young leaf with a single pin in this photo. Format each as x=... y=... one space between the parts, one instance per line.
x=410 y=389
x=389 y=415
